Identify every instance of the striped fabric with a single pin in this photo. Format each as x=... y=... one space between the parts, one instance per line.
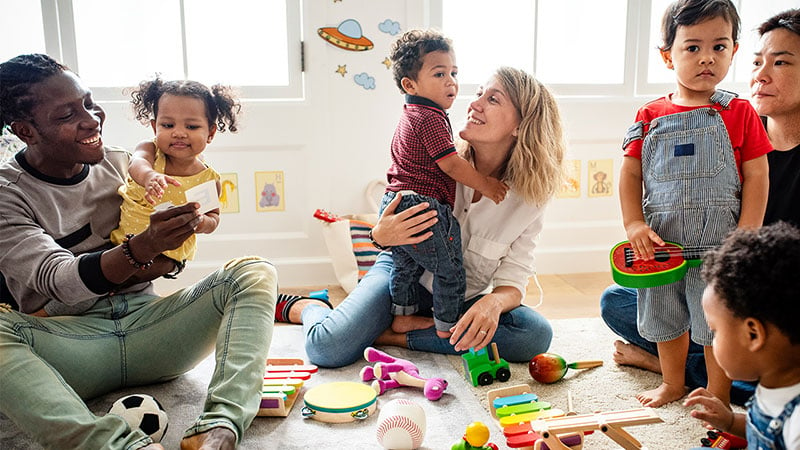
x=363 y=249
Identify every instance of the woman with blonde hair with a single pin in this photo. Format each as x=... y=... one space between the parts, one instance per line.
x=513 y=132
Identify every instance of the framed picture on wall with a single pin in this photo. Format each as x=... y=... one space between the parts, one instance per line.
x=600 y=182
x=571 y=187
x=269 y=191
x=229 y=193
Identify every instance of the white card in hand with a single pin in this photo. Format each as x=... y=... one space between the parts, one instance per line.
x=163 y=206
x=205 y=194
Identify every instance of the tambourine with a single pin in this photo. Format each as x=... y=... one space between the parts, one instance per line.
x=340 y=402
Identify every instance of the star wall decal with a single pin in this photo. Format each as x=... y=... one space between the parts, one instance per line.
x=342 y=70
x=387 y=62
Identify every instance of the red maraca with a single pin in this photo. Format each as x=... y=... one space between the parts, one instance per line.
x=549 y=367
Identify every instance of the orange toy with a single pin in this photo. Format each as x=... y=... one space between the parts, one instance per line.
x=549 y=367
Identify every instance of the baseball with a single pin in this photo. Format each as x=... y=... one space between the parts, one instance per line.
x=401 y=425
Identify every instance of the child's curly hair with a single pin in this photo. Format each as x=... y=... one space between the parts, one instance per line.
x=222 y=106
x=408 y=50
x=754 y=273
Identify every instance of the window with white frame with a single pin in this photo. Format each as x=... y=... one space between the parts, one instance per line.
x=581 y=47
x=576 y=47
x=251 y=44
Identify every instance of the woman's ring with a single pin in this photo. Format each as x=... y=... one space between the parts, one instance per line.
x=482 y=332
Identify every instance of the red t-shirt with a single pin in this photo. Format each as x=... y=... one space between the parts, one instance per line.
x=748 y=137
x=422 y=138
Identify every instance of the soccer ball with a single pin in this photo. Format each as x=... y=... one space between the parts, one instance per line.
x=144 y=412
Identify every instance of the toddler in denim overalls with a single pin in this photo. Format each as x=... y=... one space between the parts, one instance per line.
x=751 y=306
x=695 y=169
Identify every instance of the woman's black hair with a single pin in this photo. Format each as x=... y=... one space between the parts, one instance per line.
x=788 y=20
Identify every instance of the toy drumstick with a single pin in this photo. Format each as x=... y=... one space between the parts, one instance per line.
x=570 y=409
x=549 y=367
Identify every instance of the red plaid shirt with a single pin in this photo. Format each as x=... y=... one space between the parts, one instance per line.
x=422 y=138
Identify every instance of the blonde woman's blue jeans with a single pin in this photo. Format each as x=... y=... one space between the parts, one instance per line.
x=48 y=366
x=337 y=337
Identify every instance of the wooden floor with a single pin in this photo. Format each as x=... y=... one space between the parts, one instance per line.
x=569 y=296
x=566 y=296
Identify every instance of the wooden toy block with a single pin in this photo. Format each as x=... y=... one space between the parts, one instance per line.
x=283 y=380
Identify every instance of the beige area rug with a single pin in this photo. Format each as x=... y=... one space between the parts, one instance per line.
x=183 y=399
x=605 y=388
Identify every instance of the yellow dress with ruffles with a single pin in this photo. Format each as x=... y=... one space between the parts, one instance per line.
x=135 y=210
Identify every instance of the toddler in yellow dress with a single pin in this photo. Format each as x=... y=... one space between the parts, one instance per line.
x=185 y=116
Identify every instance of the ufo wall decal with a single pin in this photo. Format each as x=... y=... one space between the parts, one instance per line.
x=346 y=36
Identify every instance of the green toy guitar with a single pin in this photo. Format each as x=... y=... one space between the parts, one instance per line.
x=669 y=265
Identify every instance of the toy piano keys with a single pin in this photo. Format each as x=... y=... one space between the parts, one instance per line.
x=530 y=424
x=515 y=407
x=282 y=382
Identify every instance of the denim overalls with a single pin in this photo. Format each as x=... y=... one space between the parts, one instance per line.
x=765 y=432
x=692 y=196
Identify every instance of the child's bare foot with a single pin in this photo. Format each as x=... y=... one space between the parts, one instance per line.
x=666 y=393
x=443 y=334
x=631 y=355
x=404 y=324
x=219 y=438
x=153 y=447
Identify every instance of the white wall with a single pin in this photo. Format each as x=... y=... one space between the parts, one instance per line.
x=334 y=142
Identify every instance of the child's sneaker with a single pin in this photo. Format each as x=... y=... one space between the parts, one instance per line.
x=286 y=301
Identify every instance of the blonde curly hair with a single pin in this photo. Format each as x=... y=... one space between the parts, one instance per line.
x=534 y=168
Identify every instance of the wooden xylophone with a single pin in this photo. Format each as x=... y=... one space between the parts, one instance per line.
x=530 y=424
x=283 y=379
x=515 y=407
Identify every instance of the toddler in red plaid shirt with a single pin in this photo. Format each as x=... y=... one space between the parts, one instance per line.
x=425 y=168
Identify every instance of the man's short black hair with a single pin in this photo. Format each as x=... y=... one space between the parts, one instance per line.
x=17 y=76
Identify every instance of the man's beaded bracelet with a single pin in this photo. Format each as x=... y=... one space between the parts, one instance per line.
x=375 y=244
x=126 y=250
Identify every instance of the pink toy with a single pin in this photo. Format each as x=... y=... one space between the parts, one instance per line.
x=390 y=372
